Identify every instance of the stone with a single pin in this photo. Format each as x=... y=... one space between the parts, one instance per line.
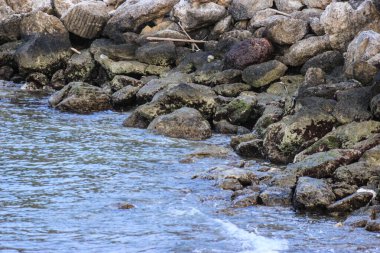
x=315 y=77
x=287 y=31
x=37 y=80
x=231 y=89
x=185 y=123
x=375 y=107
x=25 y=6
x=80 y=67
x=287 y=86
x=360 y=51
x=80 y=97
x=262 y=74
x=86 y=19
x=250 y=149
x=342 y=23
x=288 y=6
x=46 y=46
x=246 y=200
x=264 y=18
x=284 y=139
x=317 y=3
x=245 y=9
x=248 y=52
x=125 y=206
x=236 y=140
x=327 y=91
x=162 y=53
x=271 y=115
x=362 y=216
x=327 y=61
x=225 y=127
x=6 y=73
x=276 y=196
x=216 y=77
x=323 y=164
x=342 y=189
x=7 y=52
x=313 y=194
x=356 y=173
x=58 y=80
x=113 y=51
x=223 y=25
x=193 y=17
x=10 y=28
x=61 y=7
x=125 y=97
x=303 y=50
x=350 y=203
x=119 y=82
x=131 y=15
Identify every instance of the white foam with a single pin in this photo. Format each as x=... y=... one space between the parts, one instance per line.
x=250 y=241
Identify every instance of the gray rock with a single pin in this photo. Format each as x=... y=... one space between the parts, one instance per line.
x=326 y=61
x=10 y=28
x=251 y=149
x=185 y=123
x=225 y=127
x=350 y=203
x=327 y=91
x=231 y=89
x=276 y=196
x=287 y=86
x=287 y=31
x=271 y=115
x=80 y=67
x=112 y=50
x=119 y=82
x=263 y=74
x=162 y=54
x=317 y=3
x=245 y=9
x=236 y=140
x=375 y=107
x=288 y=5
x=216 y=77
x=125 y=97
x=313 y=194
x=315 y=77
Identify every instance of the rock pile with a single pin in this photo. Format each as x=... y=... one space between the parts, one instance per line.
x=299 y=78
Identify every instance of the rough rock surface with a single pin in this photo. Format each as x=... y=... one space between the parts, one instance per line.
x=263 y=74
x=245 y=9
x=287 y=31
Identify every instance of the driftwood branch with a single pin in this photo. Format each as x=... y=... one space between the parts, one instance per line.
x=175 y=40
x=75 y=50
x=193 y=45
x=282 y=13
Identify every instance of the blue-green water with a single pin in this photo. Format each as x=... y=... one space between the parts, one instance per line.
x=63 y=175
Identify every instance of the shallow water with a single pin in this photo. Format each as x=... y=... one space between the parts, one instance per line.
x=63 y=176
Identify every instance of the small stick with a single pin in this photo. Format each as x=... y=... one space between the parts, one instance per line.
x=75 y=50
x=177 y=40
x=188 y=36
x=282 y=13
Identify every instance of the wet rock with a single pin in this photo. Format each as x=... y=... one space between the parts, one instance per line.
x=373 y=225
x=125 y=97
x=36 y=81
x=353 y=105
x=327 y=91
x=313 y=194
x=357 y=173
x=210 y=151
x=252 y=149
x=7 y=52
x=341 y=22
x=276 y=196
x=80 y=97
x=288 y=5
x=326 y=61
x=236 y=140
x=119 y=82
x=58 y=80
x=342 y=189
x=225 y=127
x=362 y=216
x=231 y=89
x=185 y=123
x=359 y=53
x=80 y=67
x=162 y=54
x=287 y=86
x=216 y=77
x=323 y=164
x=10 y=28
x=194 y=17
x=248 y=52
x=131 y=15
x=86 y=19
x=125 y=206
x=350 y=203
x=315 y=77
x=346 y=136
x=47 y=44
x=375 y=106
x=271 y=115
x=284 y=139
x=263 y=74
x=112 y=50
x=305 y=49
x=245 y=9
x=287 y=31
x=245 y=200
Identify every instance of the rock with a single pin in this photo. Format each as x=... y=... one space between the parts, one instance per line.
x=10 y=28
x=264 y=18
x=225 y=127
x=6 y=73
x=287 y=31
x=252 y=149
x=284 y=139
x=375 y=107
x=37 y=81
x=245 y=9
x=323 y=164
x=162 y=54
x=86 y=19
x=326 y=61
x=47 y=44
x=131 y=15
x=365 y=46
x=305 y=49
x=271 y=115
x=58 y=80
x=113 y=51
x=231 y=89
x=236 y=140
x=125 y=206
x=125 y=97
x=248 y=52
x=357 y=173
x=80 y=67
x=193 y=17
x=223 y=25
x=240 y=111
x=245 y=200
x=61 y=7
x=327 y=91
x=372 y=156
x=316 y=26
x=119 y=82
x=264 y=73
x=315 y=77
x=288 y=5
x=362 y=216
x=276 y=196
x=216 y=77
x=373 y=225
x=313 y=194
x=210 y=151
x=353 y=105
x=350 y=203
x=80 y=97
x=346 y=136
x=7 y=52
x=317 y=3
x=342 y=189
x=342 y=23
x=24 y=6
x=185 y=123
x=287 y=86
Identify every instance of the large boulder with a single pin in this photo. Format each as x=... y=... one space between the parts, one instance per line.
x=61 y=7
x=197 y=16
x=132 y=15
x=260 y=75
x=313 y=194
x=248 y=52
x=326 y=61
x=342 y=23
x=162 y=54
x=125 y=97
x=351 y=203
x=46 y=46
x=80 y=67
x=80 y=97
x=360 y=56
x=245 y=9
x=185 y=123
x=287 y=31
x=86 y=19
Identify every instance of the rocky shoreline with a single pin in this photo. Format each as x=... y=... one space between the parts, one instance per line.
x=294 y=82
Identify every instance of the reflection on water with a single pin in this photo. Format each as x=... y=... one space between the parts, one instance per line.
x=63 y=176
